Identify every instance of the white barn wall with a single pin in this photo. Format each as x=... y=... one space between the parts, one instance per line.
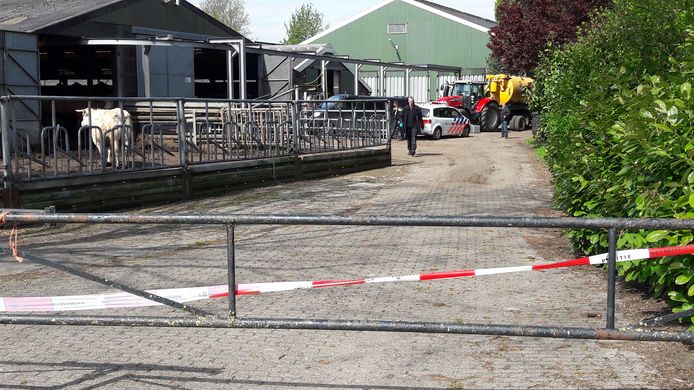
x=419 y=85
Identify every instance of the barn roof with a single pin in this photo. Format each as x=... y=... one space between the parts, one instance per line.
x=460 y=14
x=464 y=18
x=32 y=16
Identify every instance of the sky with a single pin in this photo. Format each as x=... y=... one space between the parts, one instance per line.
x=268 y=16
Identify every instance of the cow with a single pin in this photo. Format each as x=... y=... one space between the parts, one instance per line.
x=113 y=129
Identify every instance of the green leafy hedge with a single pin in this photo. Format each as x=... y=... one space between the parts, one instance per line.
x=617 y=121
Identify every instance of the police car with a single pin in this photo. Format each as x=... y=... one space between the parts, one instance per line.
x=440 y=120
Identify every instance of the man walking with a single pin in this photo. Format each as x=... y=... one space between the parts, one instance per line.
x=412 y=120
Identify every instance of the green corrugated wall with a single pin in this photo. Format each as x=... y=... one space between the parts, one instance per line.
x=430 y=38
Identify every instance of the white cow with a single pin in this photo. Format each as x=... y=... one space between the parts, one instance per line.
x=110 y=123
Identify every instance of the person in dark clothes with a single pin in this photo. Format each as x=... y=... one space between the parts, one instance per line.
x=398 y=130
x=505 y=117
x=412 y=121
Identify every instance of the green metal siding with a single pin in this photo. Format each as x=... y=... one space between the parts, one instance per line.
x=430 y=38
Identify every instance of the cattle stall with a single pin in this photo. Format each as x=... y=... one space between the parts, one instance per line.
x=173 y=149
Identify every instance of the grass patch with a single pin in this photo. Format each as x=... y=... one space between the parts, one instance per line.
x=540 y=149
x=198 y=244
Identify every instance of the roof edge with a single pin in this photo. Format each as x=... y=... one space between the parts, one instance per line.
x=446 y=15
x=77 y=15
x=346 y=22
x=123 y=3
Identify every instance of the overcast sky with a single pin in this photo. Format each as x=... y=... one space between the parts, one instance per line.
x=268 y=16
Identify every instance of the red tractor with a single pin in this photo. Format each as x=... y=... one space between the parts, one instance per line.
x=480 y=101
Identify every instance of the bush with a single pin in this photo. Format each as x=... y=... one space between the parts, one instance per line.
x=617 y=113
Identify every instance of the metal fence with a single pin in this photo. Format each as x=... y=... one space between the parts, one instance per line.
x=169 y=132
x=231 y=319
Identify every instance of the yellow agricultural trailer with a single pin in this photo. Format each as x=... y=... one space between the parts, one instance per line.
x=481 y=101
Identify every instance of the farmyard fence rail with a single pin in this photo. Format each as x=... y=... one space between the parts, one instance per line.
x=201 y=318
x=176 y=132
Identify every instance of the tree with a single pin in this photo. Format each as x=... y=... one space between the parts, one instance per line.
x=525 y=28
x=304 y=23
x=230 y=12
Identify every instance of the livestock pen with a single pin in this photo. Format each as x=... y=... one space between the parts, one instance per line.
x=181 y=148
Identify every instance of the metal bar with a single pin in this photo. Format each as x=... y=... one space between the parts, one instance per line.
x=110 y=283
x=231 y=269
x=242 y=70
x=295 y=129
x=611 y=276
x=181 y=133
x=324 y=78
x=277 y=219
x=357 y=67
x=230 y=74
x=350 y=325
x=130 y=99
x=6 y=151
x=223 y=44
x=667 y=318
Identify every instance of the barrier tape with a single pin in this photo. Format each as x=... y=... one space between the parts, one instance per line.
x=182 y=295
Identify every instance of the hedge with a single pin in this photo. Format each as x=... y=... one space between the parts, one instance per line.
x=617 y=123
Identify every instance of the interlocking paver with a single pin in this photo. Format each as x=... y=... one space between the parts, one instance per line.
x=481 y=175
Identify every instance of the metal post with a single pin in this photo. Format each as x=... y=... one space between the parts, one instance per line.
x=242 y=69
x=295 y=127
x=290 y=75
x=181 y=133
x=231 y=264
x=324 y=78
x=6 y=153
x=428 y=85
x=382 y=81
x=357 y=67
x=389 y=124
x=230 y=74
x=611 y=275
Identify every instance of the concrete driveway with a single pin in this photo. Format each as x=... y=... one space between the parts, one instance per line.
x=480 y=175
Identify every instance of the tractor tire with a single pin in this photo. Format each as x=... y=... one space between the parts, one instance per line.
x=522 y=122
x=437 y=134
x=490 y=117
x=513 y=123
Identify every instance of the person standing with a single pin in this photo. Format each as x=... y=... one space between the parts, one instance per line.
x=398 y=130
x=412 y=121
x=505 y=116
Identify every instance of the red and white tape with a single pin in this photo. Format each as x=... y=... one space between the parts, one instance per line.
x=182 y=295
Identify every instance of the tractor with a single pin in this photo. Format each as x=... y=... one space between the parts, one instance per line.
x=481 y=101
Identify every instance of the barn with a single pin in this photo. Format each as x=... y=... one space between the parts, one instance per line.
x=208 y=109
x=47 y=50
x=414 y=32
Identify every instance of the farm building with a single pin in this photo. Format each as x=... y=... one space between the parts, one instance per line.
x=148 y=48
x=163 y=66
x=414 y=32
x=49 y=49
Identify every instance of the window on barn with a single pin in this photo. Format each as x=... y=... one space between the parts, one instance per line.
x=397 y=28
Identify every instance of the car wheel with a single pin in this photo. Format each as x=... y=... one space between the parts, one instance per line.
x=437 y=134
x=466 y=132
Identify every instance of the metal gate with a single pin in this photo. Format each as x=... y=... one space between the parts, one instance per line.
x=201 y=318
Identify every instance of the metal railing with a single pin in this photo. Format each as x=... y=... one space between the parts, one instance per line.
x=202 y=318
x=151 y=133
